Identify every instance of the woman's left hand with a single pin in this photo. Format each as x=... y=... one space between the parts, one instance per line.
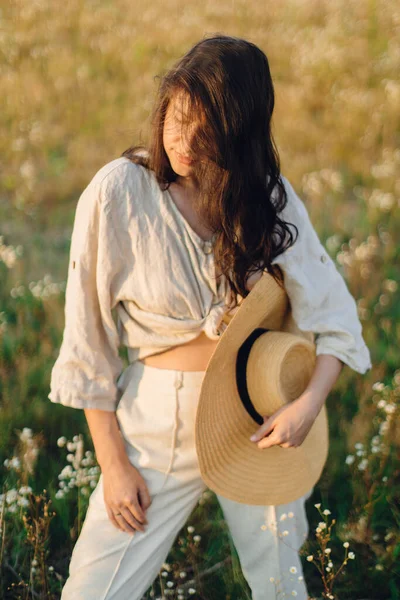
x=288 y=426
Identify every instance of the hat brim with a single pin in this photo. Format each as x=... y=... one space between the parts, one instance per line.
x=231 y=464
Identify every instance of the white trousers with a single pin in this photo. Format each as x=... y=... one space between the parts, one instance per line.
x=156 y=413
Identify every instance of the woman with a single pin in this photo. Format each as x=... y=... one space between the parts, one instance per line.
x=172 y=237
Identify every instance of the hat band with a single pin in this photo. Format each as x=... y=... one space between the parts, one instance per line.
x=241 y=379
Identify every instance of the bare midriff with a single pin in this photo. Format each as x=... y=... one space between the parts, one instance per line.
x=192 y=356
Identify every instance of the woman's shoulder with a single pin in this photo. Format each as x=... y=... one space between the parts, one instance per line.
x=120 y=174
x=121 y=186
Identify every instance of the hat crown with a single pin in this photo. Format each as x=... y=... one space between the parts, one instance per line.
x=279 y=367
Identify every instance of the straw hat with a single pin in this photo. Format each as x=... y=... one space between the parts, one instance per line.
x=262 y=361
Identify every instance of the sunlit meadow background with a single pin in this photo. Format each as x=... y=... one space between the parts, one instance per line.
x=77 y=83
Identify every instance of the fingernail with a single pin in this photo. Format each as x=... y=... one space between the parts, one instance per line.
x=253 y=438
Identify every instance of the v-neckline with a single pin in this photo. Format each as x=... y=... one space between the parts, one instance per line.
x=194 y=233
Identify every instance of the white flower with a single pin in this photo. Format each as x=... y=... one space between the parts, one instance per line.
x=300 y=578
x=363 y=464
x=190 y=529
x=293 y=570
x=22 y=501
x=11 y=496
x=346 y=544
x=290 y=515
x=294 y=593
x=350 y=459
x=197 y=538
x=310 y=558
x=328 y=569
x=322 y=525
x=182 y=574
x=351 y=555
x=317 y=505
x=272 y=579
x=15 y=462
x=326 y=512
x=170 y=584
x=283 y=517
x=328 y=550
x=191 y=591
x=25 y=434
x=285 y=532
x=378 y=386
x=330 y=564
x=358 y=446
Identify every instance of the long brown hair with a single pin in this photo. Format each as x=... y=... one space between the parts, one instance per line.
x=228 y=85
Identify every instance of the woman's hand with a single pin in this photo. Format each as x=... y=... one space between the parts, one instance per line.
x=126 y=492
x=288 y=426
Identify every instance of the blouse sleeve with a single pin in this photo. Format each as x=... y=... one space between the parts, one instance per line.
x=320 y=299
x=85 y=372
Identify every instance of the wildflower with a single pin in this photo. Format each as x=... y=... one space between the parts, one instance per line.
x=326 y=512
x=328 y=569
x=51 y=568
x=330 y=564
x=350 y=459
x=310 y=558
x=300 y=578
x=290 y=515
x=283 y=517
x=285 y=532
x=170 y=584
x=294 y=593
x=322 y=525
x=182 y=574
x=317 y=505
x=272 y=579
x=328 y=550
x=263 y=527
x=351 y=555
x=346 y=544
x=190 y=529
x=378 y=386
x=191 y=591
x=26 y=434
x=363 y=464
x=293 y=570
x=197 y=538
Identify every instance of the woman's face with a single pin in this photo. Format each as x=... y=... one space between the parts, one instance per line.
x=176 y=138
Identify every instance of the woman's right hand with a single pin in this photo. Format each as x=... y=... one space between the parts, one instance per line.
x=126 y=492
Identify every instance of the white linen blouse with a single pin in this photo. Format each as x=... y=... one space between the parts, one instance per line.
x=133 y=250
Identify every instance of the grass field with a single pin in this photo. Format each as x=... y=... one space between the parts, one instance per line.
x=78 y=82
